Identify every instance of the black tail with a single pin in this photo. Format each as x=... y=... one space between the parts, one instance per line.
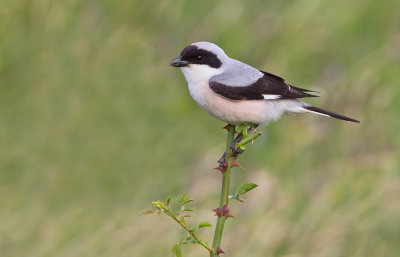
x=328 y=113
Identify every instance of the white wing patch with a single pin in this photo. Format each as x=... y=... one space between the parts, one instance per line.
x=271 y=97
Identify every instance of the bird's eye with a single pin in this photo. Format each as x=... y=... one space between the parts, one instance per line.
x=199 y=57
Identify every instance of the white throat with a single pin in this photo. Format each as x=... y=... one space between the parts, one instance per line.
x=199 y=74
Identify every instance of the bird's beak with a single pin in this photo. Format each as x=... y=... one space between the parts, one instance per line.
x=177 y=62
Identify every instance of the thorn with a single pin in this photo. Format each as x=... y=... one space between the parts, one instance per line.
x=218 y=212
x=219 y=250
x=236 y=164
x=221 y=169
x=227 y=212
x=230 y=215
x=227 y=127
x=223 y=165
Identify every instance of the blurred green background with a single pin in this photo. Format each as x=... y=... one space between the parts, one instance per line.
x=95 y=125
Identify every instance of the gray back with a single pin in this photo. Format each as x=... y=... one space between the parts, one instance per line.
x=237 y=74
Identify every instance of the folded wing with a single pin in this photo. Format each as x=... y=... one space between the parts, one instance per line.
x=268 y=87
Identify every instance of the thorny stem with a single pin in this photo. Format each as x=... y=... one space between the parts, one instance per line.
x=219 y=228
x=227 y=162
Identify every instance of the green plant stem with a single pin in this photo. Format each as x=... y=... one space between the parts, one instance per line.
x=204 y=244
x=190 y=231
x=219 y=227
x=248 y=139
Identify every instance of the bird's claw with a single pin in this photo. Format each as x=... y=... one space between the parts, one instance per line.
x=222 y=161
x=236 y=151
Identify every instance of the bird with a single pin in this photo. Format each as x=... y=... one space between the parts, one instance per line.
x=238 y=93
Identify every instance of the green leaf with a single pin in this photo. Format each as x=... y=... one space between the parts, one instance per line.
x=239 y=128
x=188 y=209
x=168 y=200
x=176 y=250
x=203 y=225
x=244 y=132
x=185 y=199
x=245 y=188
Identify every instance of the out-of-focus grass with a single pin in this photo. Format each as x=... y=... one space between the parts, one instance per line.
x=95 y=125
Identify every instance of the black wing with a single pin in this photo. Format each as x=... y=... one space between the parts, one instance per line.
x=268 y=86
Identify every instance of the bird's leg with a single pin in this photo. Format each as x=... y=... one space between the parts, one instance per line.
x=242 y=131
x=242 y=134
x=222 y=161
x=245 y=131
x=236 y=141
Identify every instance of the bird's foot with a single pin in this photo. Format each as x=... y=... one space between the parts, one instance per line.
x=222 y=163
x=236 y=151
x=244 y=130
x=222 y=160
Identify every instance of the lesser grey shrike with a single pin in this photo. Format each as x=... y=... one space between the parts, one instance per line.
x=237 y=93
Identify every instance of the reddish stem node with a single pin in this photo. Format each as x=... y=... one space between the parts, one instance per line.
x=226 y=212
x=219 y=250
x=227 y=127
x=218 y=212
x=221 y=169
